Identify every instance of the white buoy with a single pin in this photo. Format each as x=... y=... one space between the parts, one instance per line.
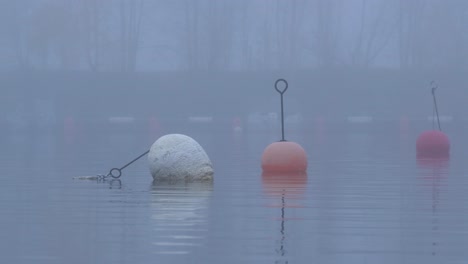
x=177 y=157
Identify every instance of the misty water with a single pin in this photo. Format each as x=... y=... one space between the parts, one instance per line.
x=366 y=198
x=87 y=85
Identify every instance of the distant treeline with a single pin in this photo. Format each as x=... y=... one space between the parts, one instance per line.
x=136 y=35
x=333 y=93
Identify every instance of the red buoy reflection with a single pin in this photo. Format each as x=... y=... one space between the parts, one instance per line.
x=434 y=172
x=286 y=189
x=284 y=184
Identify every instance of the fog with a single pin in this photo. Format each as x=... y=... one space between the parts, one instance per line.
x=178 y=58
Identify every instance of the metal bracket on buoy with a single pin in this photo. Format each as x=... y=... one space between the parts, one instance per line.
x=434 y=87
x=281 y=92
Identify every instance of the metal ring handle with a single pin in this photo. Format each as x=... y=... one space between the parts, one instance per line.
x=281 y=91
x=115 y=176
x=434 y=87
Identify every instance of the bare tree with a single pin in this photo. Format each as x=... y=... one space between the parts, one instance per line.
x=91 y=17
x=411 y=21
x=130 y=24
x=376 y=27
x=246 y=49
x=53 y=39
x=445 y=33
x=288 y=18
x=15 y=25
x=192 y=32
x=280 y=36
x=296 y=20
x=327 y=30
x=220 y=33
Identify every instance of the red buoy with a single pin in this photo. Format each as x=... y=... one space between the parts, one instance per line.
x=154 y=125
x=433 y=144
x=284 y=156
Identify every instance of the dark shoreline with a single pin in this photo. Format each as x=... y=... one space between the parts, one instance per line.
x=178 y=95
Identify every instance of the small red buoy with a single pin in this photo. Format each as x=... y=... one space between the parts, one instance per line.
x=237 y=124
x=69 y=128
x=236 y=121
x=284 y=156
x=69 y=123
x=153 y=124
x=433 y=143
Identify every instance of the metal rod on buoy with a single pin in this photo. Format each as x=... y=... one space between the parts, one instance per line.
x=284 y=156
x=281 y=92
x=435 y=104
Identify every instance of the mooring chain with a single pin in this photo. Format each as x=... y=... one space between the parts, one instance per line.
x=117 y=172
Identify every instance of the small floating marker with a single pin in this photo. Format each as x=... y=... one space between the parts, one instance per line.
x=362 y=119
x=404 y=124
x=319 y=121
x=237 y=124
x=433 y=143
x=69 y=129
x=69 y=125
x=153 y=124
x=121 y=120
x=283 y=156
x=319 y=130
x=200 y=119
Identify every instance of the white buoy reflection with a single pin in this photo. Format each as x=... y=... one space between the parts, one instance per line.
x=179 y=214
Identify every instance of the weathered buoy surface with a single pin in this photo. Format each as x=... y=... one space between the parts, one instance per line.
x=433 y=143
x=284 y=156
x=177 y=157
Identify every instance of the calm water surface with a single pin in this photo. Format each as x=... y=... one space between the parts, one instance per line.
x=365 y=199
